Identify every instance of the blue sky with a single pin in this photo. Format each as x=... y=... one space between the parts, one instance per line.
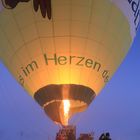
x=116 y=109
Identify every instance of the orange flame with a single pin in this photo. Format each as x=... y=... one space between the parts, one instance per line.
x=66 y=106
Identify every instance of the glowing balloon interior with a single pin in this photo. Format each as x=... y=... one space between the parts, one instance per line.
x=64 y=60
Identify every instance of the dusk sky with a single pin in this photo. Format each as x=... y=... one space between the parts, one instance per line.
x=115 y=110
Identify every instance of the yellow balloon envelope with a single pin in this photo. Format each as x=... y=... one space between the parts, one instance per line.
x=66 y=59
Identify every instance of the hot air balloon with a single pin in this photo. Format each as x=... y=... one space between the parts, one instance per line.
x=64 y=59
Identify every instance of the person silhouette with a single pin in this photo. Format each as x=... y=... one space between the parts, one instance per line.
x=105 y=136
x=102 y=137
x=108 y=136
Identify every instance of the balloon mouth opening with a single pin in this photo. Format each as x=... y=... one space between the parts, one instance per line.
x=64 y=110
x=61 y=102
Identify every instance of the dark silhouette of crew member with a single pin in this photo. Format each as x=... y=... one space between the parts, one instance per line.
x=108 y=136
x=44 y=5
x=105 y=136
x=102 y=137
